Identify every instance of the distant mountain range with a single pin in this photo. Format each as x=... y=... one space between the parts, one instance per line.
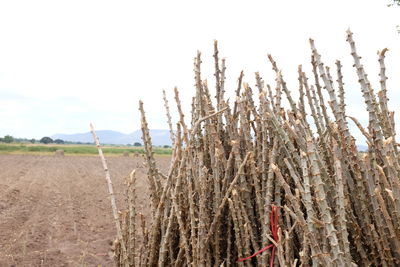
x=362 y=148
x=158 y=137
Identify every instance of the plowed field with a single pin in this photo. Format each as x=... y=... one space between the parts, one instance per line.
x=55 y=211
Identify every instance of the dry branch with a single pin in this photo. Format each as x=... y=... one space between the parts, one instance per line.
x=234 y=162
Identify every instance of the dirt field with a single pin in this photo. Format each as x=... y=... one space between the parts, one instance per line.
x=55 y=211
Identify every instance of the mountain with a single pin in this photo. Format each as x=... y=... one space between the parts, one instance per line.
x=362 y=148
x=158 y=137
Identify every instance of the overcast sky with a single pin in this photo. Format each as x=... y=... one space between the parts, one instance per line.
x=64 y=64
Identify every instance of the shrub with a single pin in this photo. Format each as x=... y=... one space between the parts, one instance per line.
x=46 y=140
x=8 y=139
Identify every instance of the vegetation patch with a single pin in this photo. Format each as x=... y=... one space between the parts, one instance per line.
x=75 y=149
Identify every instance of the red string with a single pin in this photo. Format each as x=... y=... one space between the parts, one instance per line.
x=273 y=218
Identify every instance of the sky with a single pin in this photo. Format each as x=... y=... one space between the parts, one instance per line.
x=64 y=64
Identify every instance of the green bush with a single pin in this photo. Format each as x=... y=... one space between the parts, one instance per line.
x=8 y=139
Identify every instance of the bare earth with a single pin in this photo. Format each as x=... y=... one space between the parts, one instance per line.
x=55 y=211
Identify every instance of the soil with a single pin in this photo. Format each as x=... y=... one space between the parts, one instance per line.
x=55 y=211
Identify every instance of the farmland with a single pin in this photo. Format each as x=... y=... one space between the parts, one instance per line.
x=55 y=211
x=73 y=149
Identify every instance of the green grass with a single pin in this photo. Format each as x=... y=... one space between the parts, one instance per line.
x=75 y=149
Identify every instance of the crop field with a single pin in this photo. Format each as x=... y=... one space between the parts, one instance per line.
x=74 y=149
x=55 y=211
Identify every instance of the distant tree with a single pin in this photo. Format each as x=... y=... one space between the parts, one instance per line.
x=33 y=140
x=8 y=139
x=166 y=146
x=46 y=140
x=59 y=141
x=137 y=144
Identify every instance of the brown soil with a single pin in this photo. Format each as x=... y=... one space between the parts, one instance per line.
x=55 y=211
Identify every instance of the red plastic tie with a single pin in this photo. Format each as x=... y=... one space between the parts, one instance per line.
x=273 y=218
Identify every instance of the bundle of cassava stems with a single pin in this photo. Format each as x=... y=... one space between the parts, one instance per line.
x=271 y=184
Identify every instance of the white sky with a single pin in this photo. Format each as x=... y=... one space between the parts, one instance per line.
x=64 y=64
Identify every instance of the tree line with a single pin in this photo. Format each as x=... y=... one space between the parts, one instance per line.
x=43 y=140
x=48 y=140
